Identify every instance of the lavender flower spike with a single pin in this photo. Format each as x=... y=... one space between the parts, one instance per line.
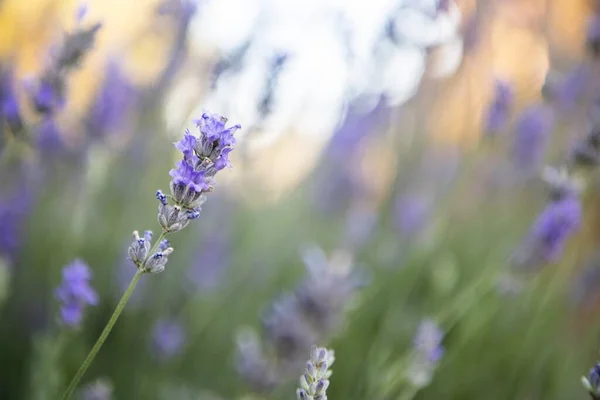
x=315 y=380
x=203 y=157
x=75 y=293
x=168 y=338
x=592 y=382
x=428 y=352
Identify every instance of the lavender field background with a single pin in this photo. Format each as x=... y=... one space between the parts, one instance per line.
x=414 y=186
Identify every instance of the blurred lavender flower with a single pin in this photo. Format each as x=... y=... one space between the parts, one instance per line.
x=48 y=95
x=498 y=113
x=554 y=226
x=428 y=352
x=412 y=213
x=14 y=209
x=210 y=260
x=584 y=290
x=75 y=293
x=168 y=338
x=573 y=87
x=275 y=68
x=101 y=389
x=252 y=364
x=315 y=380
x=49 y=138
x=586 y=152
x=10 y=111
x=312 y=313
x=532 y=132
x=593 y=35
x=113 y=102
x=592 y=382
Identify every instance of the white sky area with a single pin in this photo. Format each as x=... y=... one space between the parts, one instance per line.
x=338 y=54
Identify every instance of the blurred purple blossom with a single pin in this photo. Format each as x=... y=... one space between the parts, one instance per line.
x=547 y=238
x=593 y=34
x=532 y=133
x=14 y=209
x=100 y=389
x=114 y=100
x=210 y=261
x=573 y=87
x=498 y=113
x=412 y=213
x=50 y=140
x=168 y=338
x=10 y=110
x=75 y=293
x=428 y=352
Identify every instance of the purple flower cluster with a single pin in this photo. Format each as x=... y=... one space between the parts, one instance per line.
x=428 y=352
x=311 y=314
x=75 y=293
x=532 y=132
x=547 y=238
x=498 y=113
x=168 y=338
x=139 y=253
x=193 y=176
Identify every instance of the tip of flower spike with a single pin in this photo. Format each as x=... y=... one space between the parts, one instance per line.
x=160 y=196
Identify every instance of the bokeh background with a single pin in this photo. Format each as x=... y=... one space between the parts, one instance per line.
x=390 y=171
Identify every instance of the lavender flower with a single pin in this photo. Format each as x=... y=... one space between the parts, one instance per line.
x=203 y=157
x=168 y=338
x=554 y=226
x=315 y=380
x=313 y=312
x=498 y=112
x=586 y=152
x=592 y=382
x=9 y=105
x=593 y=35
x=156 y=262
x=411 y=213
x=101 y=389
x=113 y=102
x=75 y=293
x=428 y=352
x=532 y=132
x=252 y=364
x=48 y=95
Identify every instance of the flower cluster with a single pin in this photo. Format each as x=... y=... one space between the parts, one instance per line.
x=139 y=252
x=75 y=293
x=49 y=93
x=315 y=380
x=559 y=220
x=193 y=176
x=592 y=382
x=312 y=313
x=428 y=352
x=168 y=338
x=498 y=113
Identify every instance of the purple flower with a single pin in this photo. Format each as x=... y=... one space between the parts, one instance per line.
x=573 y=87
x=49 y=139
x=48 y=96
x=532 y=133
x=168 y=338
x=203 y=157
x=498 y=113
x=14 y=209
x=593 y=35
x=428 y=352
x=211 y=260
x=75 y=292
x=551 y=230
x=9 y=104
x=101 y=389
x=428 y=341
x=412 y=214
x=114 y=100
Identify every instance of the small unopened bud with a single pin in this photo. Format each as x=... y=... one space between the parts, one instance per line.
x=173 y=218
x=157 y=262
x=140 y=247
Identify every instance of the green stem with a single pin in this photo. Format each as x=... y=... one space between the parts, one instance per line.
x=111 y=322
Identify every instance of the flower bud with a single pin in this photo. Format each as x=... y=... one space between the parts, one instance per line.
x=157 y=262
